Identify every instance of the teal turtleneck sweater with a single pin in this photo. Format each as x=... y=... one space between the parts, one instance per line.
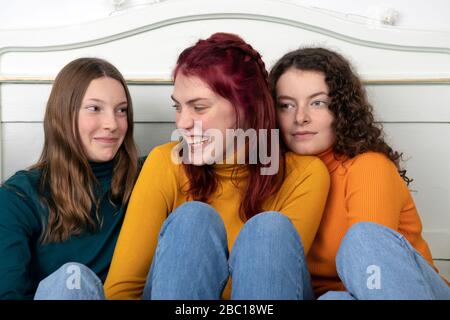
x=24 y=261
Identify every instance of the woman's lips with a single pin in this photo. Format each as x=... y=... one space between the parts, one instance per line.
x=300 y=136
x=106 y=140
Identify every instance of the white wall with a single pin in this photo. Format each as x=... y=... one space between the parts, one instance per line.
x=413 y=14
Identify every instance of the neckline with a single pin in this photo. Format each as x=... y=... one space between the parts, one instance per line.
x=330 y=159
x=102 y=170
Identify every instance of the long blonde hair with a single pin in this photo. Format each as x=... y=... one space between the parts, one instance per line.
x=67 y=181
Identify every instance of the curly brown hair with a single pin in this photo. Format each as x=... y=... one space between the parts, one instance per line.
x=355 y=128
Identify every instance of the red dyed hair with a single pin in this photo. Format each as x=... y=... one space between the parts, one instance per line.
x=235 y=71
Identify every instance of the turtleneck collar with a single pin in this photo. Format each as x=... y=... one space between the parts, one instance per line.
x=230 y=166
x=330 y=159
x=102 y=170
x=228 y=170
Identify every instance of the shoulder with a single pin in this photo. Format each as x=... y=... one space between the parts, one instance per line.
x=160 y=157
x=20 y=199
x=165 y=149
x=298 y=164
x=23 y=183
x=305 y=175
x=371 y=169
x=373 y=161
x=306 y=169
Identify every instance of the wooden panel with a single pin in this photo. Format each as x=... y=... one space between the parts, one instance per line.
x=22 y=144
x=147 y=41
x=444 y=267
x=26 y=102
x=155 y=60
x=411 y=102
x=149 y=135
x=152 y=103
x=427 y=152
x=278 y=11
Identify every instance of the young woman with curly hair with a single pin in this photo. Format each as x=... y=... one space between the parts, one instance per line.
x=192 y=225
x=369 y=244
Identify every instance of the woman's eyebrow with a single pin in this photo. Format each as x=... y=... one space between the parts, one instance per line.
x=317 y=94
x=102 y=101
x=192 y=101
x=285 y=97
x=95 y=100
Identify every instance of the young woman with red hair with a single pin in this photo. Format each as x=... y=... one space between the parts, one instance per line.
x=184 y=219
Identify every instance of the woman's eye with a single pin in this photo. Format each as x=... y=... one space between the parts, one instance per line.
x=319 y=103
x=285 y=106
x=199 y=109
x=176 y=107
x=93 y=108
x=122 y=110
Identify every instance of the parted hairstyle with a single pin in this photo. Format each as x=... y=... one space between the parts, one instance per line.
x=235 y=71
x=67 y=185
x=354 y=124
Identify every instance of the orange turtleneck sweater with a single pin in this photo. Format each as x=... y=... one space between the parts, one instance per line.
x=367 y=187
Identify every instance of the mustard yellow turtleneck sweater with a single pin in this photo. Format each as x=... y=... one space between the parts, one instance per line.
x=158 y=192
x=367 y=187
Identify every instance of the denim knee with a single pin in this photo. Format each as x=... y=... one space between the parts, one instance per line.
x=194 y=218
x=72 y=280
x=367 y=229
x=195 y=211
x=371 y=252
x=267 y=260
x=191 y=255
x=363 y=233
x=367 y=237
x=268 y=228
x=271 y=223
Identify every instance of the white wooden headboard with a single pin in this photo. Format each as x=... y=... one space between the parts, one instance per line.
x=407 y=74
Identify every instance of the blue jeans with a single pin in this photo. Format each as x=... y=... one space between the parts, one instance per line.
x=192 y=259
x=376 y=262
x=72 y=281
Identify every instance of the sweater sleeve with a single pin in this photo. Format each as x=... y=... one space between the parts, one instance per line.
x=374 y=191
x=16 y=231
x=305 y=204
x=150 y=203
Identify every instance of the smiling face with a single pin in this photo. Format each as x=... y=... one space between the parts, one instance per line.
x=102 y=119
x=196 y=103
x=302 y=111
